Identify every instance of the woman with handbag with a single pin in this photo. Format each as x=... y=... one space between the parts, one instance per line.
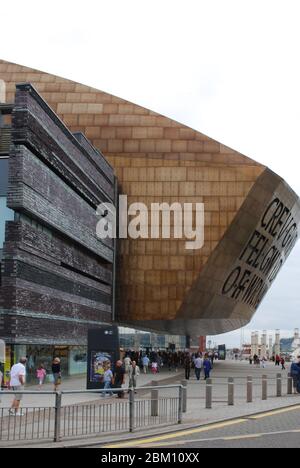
x=56 y=371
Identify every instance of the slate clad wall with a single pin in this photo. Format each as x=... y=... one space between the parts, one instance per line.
x=56 y=275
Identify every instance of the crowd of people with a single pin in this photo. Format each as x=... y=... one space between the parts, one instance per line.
x=18 y=379
x=132 y=364
x=155 y=361
x=262 y=361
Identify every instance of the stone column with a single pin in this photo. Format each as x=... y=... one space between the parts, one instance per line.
x=264 y=344
x=257 y=343
x=2 y=92
x=270 y=346
x=252 y=344
x=277 y=342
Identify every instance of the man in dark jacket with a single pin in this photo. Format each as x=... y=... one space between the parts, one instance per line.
x=295 y=373
x=187 y=366
x=207 y=367
x=119 y=377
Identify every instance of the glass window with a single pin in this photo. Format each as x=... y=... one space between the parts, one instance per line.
x=5 y=215
x=3 y=176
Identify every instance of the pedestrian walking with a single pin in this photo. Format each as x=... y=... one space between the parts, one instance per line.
x=134 y=372
x=212 y=358
x=154 y=367
x=119 y=378
x=127 y=363
x=277 y=360
x=17 y=383
x=175 y=361
x=56 y=372
x=198 y=366
x=263 y=362
x=108 y=380
x=187 y=366
x=250 y=360
x=146 y=362
x=207 y=367
x=41 y=375
x=295 y=373
x=282 y=362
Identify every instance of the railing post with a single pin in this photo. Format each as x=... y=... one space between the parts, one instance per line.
x=208 y=396
x=180 y=405
x=154 y=399
x=57 y=422
x=290 y=385
x=249 y=389
x=230 y=391
x=131 y=410
x=184 y=396
x=264 y=387
x=279 y=385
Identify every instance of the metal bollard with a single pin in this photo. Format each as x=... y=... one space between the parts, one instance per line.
x=154 y=399
x=57 y=422
x=131 y=409
x=208 y=396
x=290 y=385
x=279 y=385
x=184 y=396
x=230 y=391
x=264 y=387
x=180 y=405
x=249 y=389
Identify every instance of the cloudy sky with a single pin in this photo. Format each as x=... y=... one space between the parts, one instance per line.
x=228 y=68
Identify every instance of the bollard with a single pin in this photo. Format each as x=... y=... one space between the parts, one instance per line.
x=264 y=387
x=154 y=399
x=290 y=385
x=249 y=389
x=230 y=391
x=184 y=396
x=279 y=385
x=131 y=409
x=208 y=398
x=57 y=421
x=180 y=405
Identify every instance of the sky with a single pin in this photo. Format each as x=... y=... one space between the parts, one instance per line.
x=229 y=69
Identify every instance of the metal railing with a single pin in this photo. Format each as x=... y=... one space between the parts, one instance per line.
x=267 y=386
x=145 y=407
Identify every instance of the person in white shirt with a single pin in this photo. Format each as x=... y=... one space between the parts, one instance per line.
x=17 y=383
x=146 y=362
x=198 y=366
x=134 y=372
x=127 y=362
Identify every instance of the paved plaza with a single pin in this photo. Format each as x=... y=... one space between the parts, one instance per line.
x=79 y=405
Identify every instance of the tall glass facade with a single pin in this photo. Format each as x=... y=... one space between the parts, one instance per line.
x=5 y=213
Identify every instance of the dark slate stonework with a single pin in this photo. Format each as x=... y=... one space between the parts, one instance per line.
x=56 y=276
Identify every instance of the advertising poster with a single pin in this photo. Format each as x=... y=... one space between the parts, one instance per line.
x=99 y=362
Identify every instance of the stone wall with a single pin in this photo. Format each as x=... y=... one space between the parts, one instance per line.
x=57 y=277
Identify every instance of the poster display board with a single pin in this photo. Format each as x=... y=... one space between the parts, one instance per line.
x=103 y=349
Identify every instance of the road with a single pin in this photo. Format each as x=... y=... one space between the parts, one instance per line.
x=274 y=429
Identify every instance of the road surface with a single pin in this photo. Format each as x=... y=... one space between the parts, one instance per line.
x=274 y=429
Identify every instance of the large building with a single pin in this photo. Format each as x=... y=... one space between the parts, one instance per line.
x=57 y=277
x=251 y=215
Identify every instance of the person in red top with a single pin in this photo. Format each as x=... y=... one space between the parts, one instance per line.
x=282 y=363
x=277 y=360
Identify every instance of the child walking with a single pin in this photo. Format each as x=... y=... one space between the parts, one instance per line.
x=41 y=375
